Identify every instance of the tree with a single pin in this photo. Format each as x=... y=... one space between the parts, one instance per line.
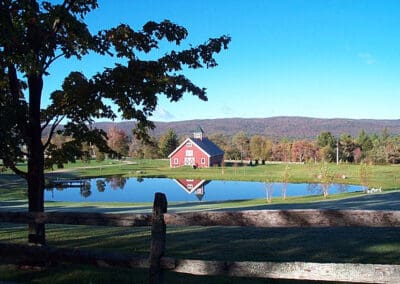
x=118 y=141
x=285 y=180
x=364 y=141
x=168 y=143
x=269 y=189
x=257 y=146
x=241 y=142
x=357 y=154
x=384 y=135
x=365 y=175
x=267 y=151
x=144 y=149
x=220 y=140
x=100 y=157
x=377 y=153
x=392 y=150
x=303 y=150
x=85 y=153
x=327 y=144
x=326 y=178
x=232 y=153
x=347 y=145
x=281 y=151
x=326 y=139
x=35 y=34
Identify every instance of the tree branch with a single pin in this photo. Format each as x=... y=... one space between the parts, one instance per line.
x=53 y=129
x=46 y=124
x=12 y=72
x=56 y=25
x=14 y=84
x=51 y=60
x=67 y=4
x=13 y=167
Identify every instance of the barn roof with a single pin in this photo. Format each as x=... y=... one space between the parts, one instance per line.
x=208 y=146
x=204 y=144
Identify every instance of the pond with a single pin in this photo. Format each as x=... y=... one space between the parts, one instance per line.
x=120 y=189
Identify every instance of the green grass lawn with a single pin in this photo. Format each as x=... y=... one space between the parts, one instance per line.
x=356 y=245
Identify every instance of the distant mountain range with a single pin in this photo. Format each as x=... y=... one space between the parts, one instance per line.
x=274 y=127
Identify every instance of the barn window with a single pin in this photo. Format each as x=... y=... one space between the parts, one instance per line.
x=203 y=161
x=189 y=144
x=189 y=153
x=176 y=161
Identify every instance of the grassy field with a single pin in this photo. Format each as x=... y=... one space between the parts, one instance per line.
x=359 y=245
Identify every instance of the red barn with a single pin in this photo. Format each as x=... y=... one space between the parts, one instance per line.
x=198 y=151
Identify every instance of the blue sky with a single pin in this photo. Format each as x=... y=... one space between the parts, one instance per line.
x=315 y=58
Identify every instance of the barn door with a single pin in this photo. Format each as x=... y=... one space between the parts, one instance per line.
x=189 y=161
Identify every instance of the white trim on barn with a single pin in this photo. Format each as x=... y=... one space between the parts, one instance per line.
x=184 y=143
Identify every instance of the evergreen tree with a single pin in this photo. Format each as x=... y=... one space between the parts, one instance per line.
x=168 y=143
x=327 y=144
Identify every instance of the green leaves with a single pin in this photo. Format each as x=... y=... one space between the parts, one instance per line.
x=166 y=29
x=34 y=34
x=135 y=87
x=195 y=57
x=168 y=143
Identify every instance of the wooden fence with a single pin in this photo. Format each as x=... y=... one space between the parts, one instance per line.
x=157 y=262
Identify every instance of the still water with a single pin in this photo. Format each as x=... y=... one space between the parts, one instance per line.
x=119 y=189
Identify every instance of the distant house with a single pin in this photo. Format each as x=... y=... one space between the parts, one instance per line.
x=197 y=151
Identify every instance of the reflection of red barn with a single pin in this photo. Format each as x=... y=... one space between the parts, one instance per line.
x=198 y=151
x=193 y=185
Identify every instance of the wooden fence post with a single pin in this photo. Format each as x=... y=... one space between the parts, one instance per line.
x=158 y=238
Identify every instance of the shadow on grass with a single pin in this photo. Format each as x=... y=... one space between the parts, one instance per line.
x=324 y=245
x=338 y=245
x=383 y=201
x=357 y=245
x=10 y=179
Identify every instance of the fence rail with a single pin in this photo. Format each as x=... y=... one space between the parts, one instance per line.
x=250 y=218
x=341 y=272
x=288 y=218
x=157 y=262
x=337 y=272
x=78 y=218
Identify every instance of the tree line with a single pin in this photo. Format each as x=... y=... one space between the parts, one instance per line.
x=376 y=148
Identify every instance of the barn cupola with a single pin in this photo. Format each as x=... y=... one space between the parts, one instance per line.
x=198 y=133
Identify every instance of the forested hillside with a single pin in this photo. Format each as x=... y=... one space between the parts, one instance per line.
x=273 y=127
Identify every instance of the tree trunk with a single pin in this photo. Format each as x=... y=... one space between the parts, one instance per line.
x=35 y=160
